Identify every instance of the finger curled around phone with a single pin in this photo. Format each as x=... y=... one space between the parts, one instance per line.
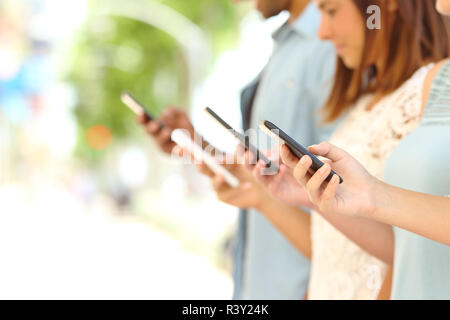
x=283 y=170
x=301 y=170
x=142 y=118
x=257 y=172
x=261 y=165
x=258 y=175
x=163 y=137
x=314 y=184
x=320 y=149
x=287 y=157
x=281 y=175
x=330 y=191
x=153 y=127
x=324 y=171
x=305 y=161
x=329 y=151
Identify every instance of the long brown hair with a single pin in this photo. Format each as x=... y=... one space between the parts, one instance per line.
x=410 y=38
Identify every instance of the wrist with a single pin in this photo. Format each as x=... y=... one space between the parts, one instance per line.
x=380 y=198
x=262 y=204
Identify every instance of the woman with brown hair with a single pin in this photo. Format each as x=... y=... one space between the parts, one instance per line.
x=415 y=201
x=378 y=85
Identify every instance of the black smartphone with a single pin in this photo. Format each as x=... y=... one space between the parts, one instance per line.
x=296 y=148
x=244 y=140
x=137 y=107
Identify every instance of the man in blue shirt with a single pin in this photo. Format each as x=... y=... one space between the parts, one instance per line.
x=289 y=91
x=292 y=87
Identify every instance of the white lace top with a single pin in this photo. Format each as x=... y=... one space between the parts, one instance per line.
x=339 y=268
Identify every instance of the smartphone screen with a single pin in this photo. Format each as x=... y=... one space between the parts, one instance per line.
x=137 y=107
x=296 y=148
x=243 y=140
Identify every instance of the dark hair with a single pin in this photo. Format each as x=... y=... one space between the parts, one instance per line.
x=415 y=35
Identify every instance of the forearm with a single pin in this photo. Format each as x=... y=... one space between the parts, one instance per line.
x=372 y=236
x=292 y=222
x=423 y=214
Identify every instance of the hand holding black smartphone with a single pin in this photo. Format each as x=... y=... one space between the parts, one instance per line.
x=296 y=148
x=243 y=140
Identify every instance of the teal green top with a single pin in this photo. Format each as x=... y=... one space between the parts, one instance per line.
x=421 y=163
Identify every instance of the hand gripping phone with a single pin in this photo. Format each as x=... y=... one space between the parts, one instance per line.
x=296 y=148
x=183 y=139
x=243 y=140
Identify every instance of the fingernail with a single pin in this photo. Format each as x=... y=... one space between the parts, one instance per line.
x=324 y=169
x=335 y=179
x=303 y=160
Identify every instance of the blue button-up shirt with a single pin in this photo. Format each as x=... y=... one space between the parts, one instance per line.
x=292 y=87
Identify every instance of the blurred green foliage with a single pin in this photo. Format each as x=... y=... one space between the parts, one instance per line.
x=115 y=53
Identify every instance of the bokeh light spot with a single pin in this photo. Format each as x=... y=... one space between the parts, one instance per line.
x=98 y=137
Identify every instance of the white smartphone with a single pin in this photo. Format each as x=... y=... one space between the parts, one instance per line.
x=135 y=105
x=182 y=138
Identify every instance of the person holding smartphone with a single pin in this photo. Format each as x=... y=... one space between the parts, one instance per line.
x=292 y=86
x=161 y=129
x=414 y=199
x=378 y=85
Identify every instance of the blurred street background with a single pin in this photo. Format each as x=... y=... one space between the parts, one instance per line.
x=89 y=207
